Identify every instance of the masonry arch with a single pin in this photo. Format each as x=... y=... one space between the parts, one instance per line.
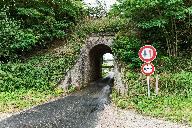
x=87 y=67
x=96 y=60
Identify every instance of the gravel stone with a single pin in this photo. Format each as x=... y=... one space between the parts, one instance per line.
x=113 y=117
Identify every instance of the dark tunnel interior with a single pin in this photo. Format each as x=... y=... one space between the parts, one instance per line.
x=96 y=60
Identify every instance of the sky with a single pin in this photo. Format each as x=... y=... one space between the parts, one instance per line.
x=108 y=56
x=108 y=2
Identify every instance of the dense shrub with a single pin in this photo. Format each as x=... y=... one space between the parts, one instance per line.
x=177 y=83
x=172 y=64
x=166 y=23
x=25 y=24
x=126 y=49
x=13 y=38
x=40 y=73
x=102 y=25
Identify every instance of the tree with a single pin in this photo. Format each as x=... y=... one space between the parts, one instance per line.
x=165 y=23
x=25 y=24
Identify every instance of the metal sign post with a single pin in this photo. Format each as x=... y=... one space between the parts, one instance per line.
x=148 y=85
x=148 y=69
x=147 y=54
x=156 y=85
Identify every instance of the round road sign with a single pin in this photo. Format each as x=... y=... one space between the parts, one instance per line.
x=147 y=53
x=147 y=69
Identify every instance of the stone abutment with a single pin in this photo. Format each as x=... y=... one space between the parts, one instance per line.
x=88 y=67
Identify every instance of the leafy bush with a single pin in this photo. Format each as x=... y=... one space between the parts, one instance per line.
x=40 y=73
x=163 y=22
x=102 y=25
x=26 y=24
x=126 y=49
x=13 y=38
x=177 y=83
x=172 y=64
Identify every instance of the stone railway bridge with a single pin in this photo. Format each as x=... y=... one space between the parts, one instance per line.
x=88 y=67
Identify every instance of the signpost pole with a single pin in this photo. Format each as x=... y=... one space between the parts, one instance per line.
x=157 y=88
x=148 y=84
x=147 y=54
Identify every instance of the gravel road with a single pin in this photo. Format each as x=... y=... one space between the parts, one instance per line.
x=88 y=108
x=113 y=117
x=79 y=110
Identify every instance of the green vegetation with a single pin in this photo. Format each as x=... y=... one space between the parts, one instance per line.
x=126 y=48
x=36 y=77
x=23 y=99
x=102 y=25
x=60 y=28
x=29 y=25
x=165 y=24
x=39 y=72
x=173 y=101
x=26 y=24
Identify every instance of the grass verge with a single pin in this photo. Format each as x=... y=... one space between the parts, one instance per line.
x=23 y=99
x=174 y=101
x=175 y=108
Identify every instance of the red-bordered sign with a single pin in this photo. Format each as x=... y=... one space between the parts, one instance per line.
x=147 y=53
x=147 y=69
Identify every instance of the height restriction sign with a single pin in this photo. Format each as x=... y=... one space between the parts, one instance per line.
x=147 y=53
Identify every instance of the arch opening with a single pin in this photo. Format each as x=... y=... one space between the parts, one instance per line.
x=99 y=56
x=108 y=64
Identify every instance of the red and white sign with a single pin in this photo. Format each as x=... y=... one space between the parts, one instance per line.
x=147 y=69
x=147 y=53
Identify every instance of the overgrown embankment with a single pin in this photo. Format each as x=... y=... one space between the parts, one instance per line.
x=165 y=25
x=31 y=63
x=24 y=26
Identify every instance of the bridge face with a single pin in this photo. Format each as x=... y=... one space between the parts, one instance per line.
x=88 y=67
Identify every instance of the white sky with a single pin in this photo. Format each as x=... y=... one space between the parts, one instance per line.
x=108 y=56
x=108 y=2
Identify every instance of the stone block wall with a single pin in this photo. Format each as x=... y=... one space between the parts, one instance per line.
x=88 y=66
